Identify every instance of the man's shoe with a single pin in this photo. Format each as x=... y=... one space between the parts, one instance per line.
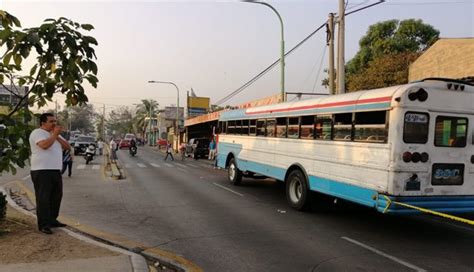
x=46 y=230
x=58 y=224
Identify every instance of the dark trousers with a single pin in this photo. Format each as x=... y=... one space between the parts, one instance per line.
x=169 y=153
x=67 y=165
x=48 y=192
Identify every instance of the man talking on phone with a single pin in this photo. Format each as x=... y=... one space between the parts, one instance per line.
x=46 y=163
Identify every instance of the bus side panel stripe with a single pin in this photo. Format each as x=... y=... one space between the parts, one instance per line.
x=343 y=190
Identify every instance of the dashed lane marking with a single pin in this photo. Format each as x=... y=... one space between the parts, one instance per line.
x=95 y=167
x=25 y=178
x=378 y=252
x=155 y=165
x=227 y=189
x=141 y=165
x=169 y=165
x=81 y=166
x=181 y=165
x=182 y=170
x=193 y=166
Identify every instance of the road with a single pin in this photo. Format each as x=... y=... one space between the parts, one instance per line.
x=189 y=208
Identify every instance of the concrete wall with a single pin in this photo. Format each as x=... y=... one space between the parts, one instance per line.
x=451 y=58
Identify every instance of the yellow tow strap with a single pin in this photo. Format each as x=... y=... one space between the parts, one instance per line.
x=452 y=217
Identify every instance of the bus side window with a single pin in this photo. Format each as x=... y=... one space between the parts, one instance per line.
x=253 y=127
x=270 y=126
x=370 y=127
x=342 y=127
x=307 y=127
x=245 y=127
x=281 y=128
x=322 y=130
x=261 y=127
x=231 y=127
x=294 y=127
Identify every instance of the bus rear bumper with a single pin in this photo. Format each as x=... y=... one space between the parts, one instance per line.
x=417 y=205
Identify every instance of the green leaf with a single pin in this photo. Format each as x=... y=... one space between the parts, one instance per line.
x=25 y=52
x=33 y=69
x=93 y=67
x=18 y=59
x=15 y=21
x=87 y=27
x=6 y=59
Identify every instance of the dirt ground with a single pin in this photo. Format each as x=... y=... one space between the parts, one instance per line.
x=21 y=242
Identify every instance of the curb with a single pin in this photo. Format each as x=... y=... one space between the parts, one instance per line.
x=138 y=262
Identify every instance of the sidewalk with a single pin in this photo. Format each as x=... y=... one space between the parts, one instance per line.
x=111 y=258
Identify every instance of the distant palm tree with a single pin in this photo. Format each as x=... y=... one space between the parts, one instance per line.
x=143 y=111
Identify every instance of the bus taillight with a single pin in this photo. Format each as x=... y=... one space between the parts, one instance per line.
x=406 y=157
x=415 y=157
x=424 y=157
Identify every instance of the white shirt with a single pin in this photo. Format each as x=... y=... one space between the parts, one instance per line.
x=100 y=144
x=113 y=145
x=45 y=159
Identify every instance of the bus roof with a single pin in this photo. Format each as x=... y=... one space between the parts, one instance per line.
x=368 y=100
x=377 y=99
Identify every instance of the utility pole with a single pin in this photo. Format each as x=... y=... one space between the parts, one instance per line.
x=56 y=108
x=340 y=50
x=330 y=43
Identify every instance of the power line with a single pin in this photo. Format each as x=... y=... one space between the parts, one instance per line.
x=264 y=71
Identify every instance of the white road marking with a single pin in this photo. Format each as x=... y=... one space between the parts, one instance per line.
x=169 y=165
x=194 y=166
x=181 y=165
x=127 y=165
x=25 y=178
x=376 y=251
x=95 y=167
x=141 y=165
x=155 y=165
x=225 y=188
x=81 y=166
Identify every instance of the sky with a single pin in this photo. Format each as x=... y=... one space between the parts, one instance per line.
x=214 y=47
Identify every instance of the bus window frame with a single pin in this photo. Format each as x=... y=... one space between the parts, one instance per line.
x=333 y=130
x=445 y=116
x=427 y=135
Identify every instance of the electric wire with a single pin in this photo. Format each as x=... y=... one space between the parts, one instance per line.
x=263 y=72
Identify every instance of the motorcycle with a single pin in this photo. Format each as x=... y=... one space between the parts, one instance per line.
x=133 y=150
x=89 y=154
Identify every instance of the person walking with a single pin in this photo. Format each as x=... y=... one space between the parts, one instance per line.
x=100 y=145
x=113 y=150
x=68 y=158
x=169 y=151
x=46 y=163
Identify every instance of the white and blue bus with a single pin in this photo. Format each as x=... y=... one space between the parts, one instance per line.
x=411 y=143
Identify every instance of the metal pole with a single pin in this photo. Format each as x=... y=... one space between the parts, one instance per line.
x=331 y=52
x=282 y=47
x=177 y=101
x=340 y=51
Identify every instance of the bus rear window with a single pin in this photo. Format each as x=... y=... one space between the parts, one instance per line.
x=415 y=127
x=450 y=131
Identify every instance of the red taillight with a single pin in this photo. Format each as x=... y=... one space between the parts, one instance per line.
x=406 y=157
x=415 y=157
x=424 y=157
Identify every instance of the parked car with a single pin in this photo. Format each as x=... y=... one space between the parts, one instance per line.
x=124 y=143
x=202 y=146
x=82 y=142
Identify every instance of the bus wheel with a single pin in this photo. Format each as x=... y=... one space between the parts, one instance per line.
x=234 y=174
x=297 y=193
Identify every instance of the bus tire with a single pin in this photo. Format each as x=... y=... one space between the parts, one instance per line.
x=297 y=191
x=233 y=173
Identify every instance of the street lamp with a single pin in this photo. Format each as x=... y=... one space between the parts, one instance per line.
x=282 y=47
x=177 y=101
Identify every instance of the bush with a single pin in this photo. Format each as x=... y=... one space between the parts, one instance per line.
x=3 y=206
